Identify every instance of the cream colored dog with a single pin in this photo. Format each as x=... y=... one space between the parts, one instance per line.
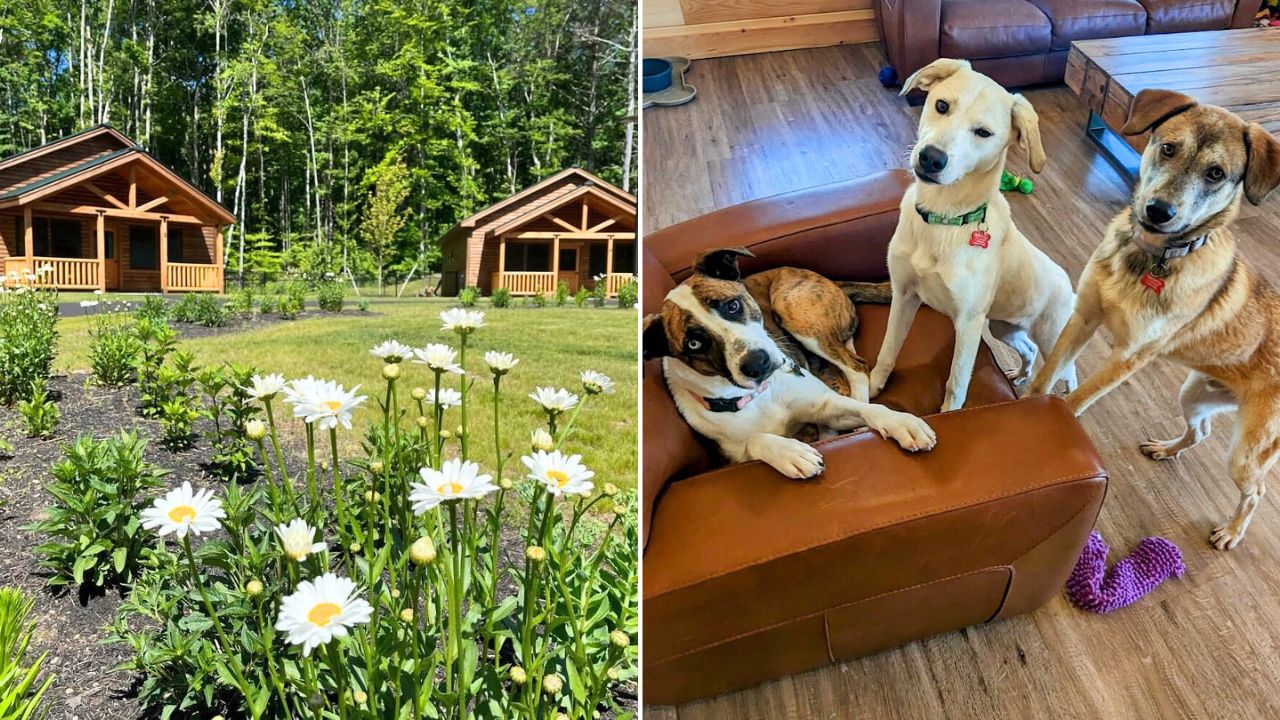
x=955 y=247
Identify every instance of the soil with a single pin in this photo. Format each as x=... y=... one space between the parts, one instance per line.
x=70 y=626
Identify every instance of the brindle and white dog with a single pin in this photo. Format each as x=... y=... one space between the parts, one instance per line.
x=718 y=336
x=1167 y=282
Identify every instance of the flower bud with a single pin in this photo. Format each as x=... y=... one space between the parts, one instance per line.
x=612 y=674
x=355 y=548
x=423 y=551
x=406 y=615
x=619 y=639
x=610 y=489
x=376 y=467
x=506 y=484
x=253 y=588
x=552 y=684
x=542 y=440
x=445 y=434
x=458 y=431
x=360 y=696
x=315 y=701
x=535 y=553
x=372 y=497
x=395 y=593
x=255 y=430
x=391 y=371
x=418 y=393
x=518 y=675
x=561 y=716
x=620 y=509
x=422 y=421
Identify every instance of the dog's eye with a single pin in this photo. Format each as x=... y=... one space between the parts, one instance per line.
x=982 y=132
x=1168 y=149
x=692 y=344
x=942 y=106
x=1215 y=174
x=733 y=307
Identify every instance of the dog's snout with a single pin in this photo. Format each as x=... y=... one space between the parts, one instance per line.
x=756 y=364
x=932 y=159
x=1160 y=212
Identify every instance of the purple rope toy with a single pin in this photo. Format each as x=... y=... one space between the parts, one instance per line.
x=1092 y=588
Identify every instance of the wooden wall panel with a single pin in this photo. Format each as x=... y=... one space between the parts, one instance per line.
x=700 y=12
x=716 y=28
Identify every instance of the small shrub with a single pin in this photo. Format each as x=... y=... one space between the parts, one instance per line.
x=229 y=407
x=363 y=305
x=562 y=293
x=6 y=448
x=94 y=530
x=242 y=302
x=268 y=304
x=158 y=342
x=178 y=418
x=629 y=294
x=290 y=307
x=469 y=297
x=28 y=340
x=331 y=296
x=580 y=297
x=21 y=688
x=500 y=298
x=185 y=310
x=152 y=308
x=113 y=350
x=597 y=292
x=536 y=300
x=39 y=415
x=209 y=312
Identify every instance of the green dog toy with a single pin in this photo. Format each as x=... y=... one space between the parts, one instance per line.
x=1009 y=182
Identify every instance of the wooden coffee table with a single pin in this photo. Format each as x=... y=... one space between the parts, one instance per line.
x=1237 y=69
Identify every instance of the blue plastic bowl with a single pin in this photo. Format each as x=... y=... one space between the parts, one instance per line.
x=657 y=74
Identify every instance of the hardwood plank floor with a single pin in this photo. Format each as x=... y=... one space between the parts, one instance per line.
x=1204 y=646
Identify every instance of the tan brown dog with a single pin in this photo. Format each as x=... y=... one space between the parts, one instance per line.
x=1166 y=282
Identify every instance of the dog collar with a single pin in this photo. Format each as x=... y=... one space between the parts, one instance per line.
x=977 y=215
x=731 y=404
x=1161 y=267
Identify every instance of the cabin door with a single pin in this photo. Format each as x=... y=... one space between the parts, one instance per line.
x=111 y=266
x=569 y=267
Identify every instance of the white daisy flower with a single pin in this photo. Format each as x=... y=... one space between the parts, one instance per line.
x=323 y=402
x=456 y=480
x=461 y=321
x=266 y=387
x=500 y=362
x=321 y=610
x=542 y=440
x=595 y=383
x=438 y=357
x=554 y=401
x=88 y=303
x=561 y=474
x=181 y=511
x=448 y=398
x=392 y=351
x=298 y=539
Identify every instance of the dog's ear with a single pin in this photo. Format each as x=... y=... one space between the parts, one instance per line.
x=932 y=74
x=1262 y=166
x=655 y=338
x=1027 y=126
x=721 y=264
x=1153 y=107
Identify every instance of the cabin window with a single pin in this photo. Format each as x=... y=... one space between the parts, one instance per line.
x=624 y=258
x=528 y=257
x=109 y=238
x=51 y=238
x=175 y=245
x=143 y=250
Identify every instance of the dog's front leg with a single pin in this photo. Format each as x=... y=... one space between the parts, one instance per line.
x=968 y=337
x=1122 y=363
x=793 y=458
x=1085 y=321
x=844 y=413
x=902 y=312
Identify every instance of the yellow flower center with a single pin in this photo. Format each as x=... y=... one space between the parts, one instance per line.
x=449 y=488
x=182 y=513
x=321 y=614
x=333 y=405
x=560 y=478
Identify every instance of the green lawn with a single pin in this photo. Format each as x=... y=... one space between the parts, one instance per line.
x=553 y=345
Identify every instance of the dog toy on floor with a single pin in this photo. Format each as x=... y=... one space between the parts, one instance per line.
x=1009 y=181
x=1091 y=587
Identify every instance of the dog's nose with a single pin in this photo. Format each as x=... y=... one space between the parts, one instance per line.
x=932 y=159
x=1160 y=212
x=756 y=364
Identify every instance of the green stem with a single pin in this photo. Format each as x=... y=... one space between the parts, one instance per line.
x=227 y=647
x=311 y=474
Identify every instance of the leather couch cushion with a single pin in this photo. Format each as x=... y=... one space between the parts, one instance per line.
x=1092 y=19
x=1175 y=16
x=992 y=28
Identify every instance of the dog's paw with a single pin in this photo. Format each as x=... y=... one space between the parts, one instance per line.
x=1225 y=538
x=1161 y=449
x=795 y=459
x=909 y=431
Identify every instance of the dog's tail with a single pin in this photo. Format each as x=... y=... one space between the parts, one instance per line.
x=865 y=292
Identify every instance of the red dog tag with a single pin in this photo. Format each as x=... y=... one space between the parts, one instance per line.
x=980 y=239
x=1153 y=283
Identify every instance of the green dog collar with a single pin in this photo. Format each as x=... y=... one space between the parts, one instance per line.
x=976 y=215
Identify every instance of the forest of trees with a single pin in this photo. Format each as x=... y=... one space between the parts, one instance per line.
x=291 y=111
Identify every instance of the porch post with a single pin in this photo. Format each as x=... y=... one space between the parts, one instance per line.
x=102 y=250
x=29 y=238
x=555 y=262
x=217 y=259
x=502 y=264
x=608 y=262
x=164 y=253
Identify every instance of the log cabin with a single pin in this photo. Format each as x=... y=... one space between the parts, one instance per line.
x=572 y=226
x=97 y=212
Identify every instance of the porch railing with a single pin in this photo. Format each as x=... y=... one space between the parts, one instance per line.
x=615 y=281
x=525 y=283
x=62 y=273
x=188 y=277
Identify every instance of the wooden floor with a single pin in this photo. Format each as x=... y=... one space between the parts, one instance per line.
x=1205 y=646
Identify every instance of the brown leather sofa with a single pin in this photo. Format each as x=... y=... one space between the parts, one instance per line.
x=1024 y=42
x=749 y=576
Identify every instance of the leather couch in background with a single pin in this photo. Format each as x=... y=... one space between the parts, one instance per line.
x=1024 y=42
x=750 y=576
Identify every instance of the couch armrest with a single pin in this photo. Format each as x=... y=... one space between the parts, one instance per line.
x=841 y=230
x=1246 y=11
x=911 y=32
